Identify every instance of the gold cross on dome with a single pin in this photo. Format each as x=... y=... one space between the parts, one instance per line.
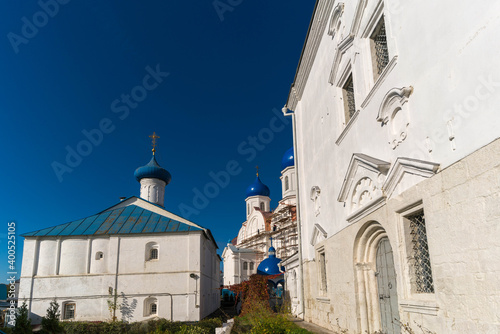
x=257 y=167
x=154 y=137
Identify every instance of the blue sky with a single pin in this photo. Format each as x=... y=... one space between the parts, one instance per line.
x=205 y=79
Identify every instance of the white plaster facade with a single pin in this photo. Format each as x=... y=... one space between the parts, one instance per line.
x=421 y=137
x=158 y=265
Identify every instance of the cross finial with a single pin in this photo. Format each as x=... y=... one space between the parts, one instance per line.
x=154 y=137
x=257 y=167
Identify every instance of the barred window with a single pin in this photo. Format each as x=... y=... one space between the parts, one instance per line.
x=153 y=254
x=349 y=102
x=421 y=258
x=380 y=52
x=69 y=310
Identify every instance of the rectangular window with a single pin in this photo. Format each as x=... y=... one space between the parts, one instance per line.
x=69 y=311
x=380 y=52
x=322 y=269
x=349 y=102
x=153 y=308
x=420 y=257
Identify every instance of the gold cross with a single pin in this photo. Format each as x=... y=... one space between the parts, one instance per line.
x=257 y=167
x=154 y=137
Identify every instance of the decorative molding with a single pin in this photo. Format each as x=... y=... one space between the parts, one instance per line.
x=342 y=48
x=377 y=168
x=347 y=127
x=315 y=194
x=419 y=307
x=361 y=190
x=394 y=113
x=323 y=300
x=314 y=35
x=373 y=20
x=318 y=234
x=395 y=95
x=388 y=69
x=402 y=166
x=336 y=15
x=358 y=16
x=366 y=210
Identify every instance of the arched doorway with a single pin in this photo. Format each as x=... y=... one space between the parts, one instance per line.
x=373 y=259
x=387 y=288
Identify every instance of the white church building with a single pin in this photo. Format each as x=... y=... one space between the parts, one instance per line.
x=396 y=132
x=156 y=263
x=244 y=253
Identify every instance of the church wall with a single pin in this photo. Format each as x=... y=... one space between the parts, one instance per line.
x=450 y=114
x=47 y=257
x=101 y=265
x=167 y=278
x=443 y=82
x=462 y=219
x=73 y=257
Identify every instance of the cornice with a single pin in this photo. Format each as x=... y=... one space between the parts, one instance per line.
x=309 y=51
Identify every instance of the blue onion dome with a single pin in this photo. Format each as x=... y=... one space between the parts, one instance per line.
x=257 y=188
x=270 y=266
x=152 y=171
x=288 y=159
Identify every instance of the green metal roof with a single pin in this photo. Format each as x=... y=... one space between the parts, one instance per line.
x=131 y=219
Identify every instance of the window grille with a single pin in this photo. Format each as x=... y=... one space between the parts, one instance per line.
x=154 y=254
x=422 y=261
x=153 y=308
x=381 y=50
x=349 y=97
x=69 y=311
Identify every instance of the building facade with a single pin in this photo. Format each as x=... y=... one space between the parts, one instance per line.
x=395 y=109
x=147 y=261
x=243 y=254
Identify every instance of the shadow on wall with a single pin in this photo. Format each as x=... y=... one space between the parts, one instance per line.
x=127 y=310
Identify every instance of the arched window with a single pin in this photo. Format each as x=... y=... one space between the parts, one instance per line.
x=251 y=265
x=152 y=251
x=99 y=255
x=287 y=184
x=245 y=265
x=248 y=208
x=262 y=206
x=150 y=306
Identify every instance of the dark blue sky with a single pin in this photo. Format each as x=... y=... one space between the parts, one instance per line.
x=205 y=85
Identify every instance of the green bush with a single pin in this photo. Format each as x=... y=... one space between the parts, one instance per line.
x=159 y=326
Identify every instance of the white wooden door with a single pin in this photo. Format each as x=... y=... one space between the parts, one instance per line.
x=387 y=289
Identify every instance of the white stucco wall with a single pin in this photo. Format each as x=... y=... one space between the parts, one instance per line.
x=449 y=65
x=124 y=268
